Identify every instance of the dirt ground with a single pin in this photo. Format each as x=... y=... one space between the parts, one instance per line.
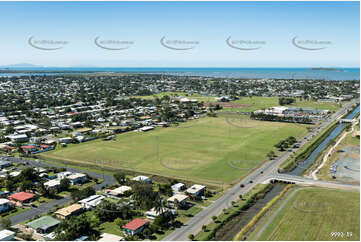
x=348 y=164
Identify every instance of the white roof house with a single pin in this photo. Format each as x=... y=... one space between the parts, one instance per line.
x=4 y=204
x=142 y=179
x=18 y=138
x=6 y=235
x=179 y=197
x=152 y=214
x=52 y=183
x=91 y=201
x=76 y=178
x=40 y=169
x=146 y=128
x=178 y=187
x=14 y=173
x=63 y=174
x=195 y=190
x=110 y=237
x=120 y=190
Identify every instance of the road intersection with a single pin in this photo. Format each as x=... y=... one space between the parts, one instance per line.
x=258 y=176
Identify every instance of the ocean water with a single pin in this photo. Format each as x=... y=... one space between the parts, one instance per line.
x=297 y=73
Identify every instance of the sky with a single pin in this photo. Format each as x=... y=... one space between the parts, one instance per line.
x=266 y=29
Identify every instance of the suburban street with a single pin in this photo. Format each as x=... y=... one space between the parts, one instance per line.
x=46 y=207
x=269 y=169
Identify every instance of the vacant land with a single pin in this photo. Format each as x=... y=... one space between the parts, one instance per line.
x=247 y=104
x=314 y=214
x=196 y=96
x=255 y=103
x=347 y=157
x=218 y=149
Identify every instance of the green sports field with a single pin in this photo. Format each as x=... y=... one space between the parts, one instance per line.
x=209 y=149
x=314 y=214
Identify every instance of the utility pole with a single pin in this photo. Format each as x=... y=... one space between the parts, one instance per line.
x=157 y=146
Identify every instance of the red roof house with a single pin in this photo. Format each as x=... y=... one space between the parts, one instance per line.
x=22 y=197
x=28 y=147
x=135 y=226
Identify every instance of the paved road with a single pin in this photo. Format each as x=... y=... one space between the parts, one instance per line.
x=46 y=207
x=194 y=225
x=311 y=182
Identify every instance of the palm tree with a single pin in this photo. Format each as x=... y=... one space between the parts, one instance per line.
x=159 y=205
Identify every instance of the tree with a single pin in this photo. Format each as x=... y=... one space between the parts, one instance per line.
x=271 y=154
x=107 y=211
x=119 y=222
x=64 y=184
x=27 y=185
x=214 y=218
x=70 y=229
x=121 y=178
x=159 y=205
x=191 y=237
x=204 y=227
x=81 y=194
x=145 y=196
x=5 y=223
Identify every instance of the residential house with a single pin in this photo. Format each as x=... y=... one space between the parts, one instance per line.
x=4 y=205
x=52 y=184
x=110 y=237
x=177 y=200
x=152 y=214
x=77 y=178
x=146 y=128
x=43 y=225
x=4 y=164
x=14 y=173
x=178 y=187
x=136 y=226
x=69 y=211
x=22 y=197
x=7 y=235
x=18 y=138
x=142 y=179
x=119 y=191
x=92 y=201
x=196 y=190
x=63 y=174
x=65 y=140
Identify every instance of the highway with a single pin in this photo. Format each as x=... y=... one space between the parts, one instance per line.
x=269 y=169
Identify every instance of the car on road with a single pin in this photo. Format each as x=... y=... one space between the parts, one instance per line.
x=242 y=185
x=250 y=181
x=261 y=172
